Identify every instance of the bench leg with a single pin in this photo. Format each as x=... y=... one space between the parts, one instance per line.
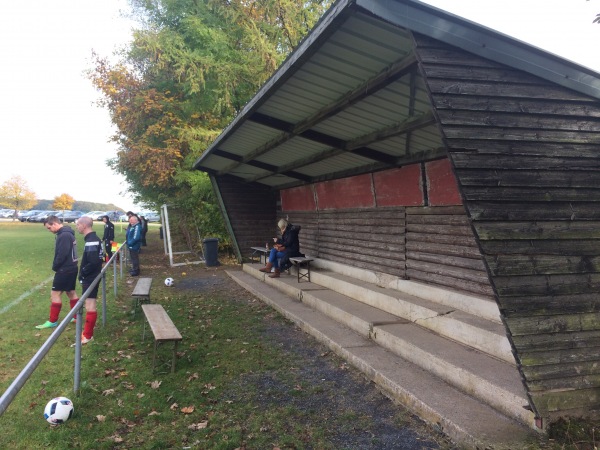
x=174 y=357
x=154 y=355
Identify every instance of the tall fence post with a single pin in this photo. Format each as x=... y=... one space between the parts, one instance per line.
x=103 y=299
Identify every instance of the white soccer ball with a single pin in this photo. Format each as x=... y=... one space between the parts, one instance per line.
x=169 y=281
x=58 y=410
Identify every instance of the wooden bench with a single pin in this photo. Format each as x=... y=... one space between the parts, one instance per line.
x=302 y=263
x=163 y=328
x=141 y=292
x=261 y=252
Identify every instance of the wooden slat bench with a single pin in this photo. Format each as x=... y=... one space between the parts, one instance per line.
x=163 y=328
x=302 y=263
x=261 y=252
x=141 y=292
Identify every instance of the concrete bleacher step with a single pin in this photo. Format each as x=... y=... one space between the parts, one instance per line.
x=447 y=319
x=465 y=419
x=485 y=308
x=477 y=373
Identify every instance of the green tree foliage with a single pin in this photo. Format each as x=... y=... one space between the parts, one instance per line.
x=15 y=194
x=191 y=67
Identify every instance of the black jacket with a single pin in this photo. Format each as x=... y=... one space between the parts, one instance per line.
x=65 y=251
x=91 y=261
x=109 y=231
x=290 y=240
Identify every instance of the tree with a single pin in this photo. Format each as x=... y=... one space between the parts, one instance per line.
x=16 y=195
x=63 y=202
x=190 y=69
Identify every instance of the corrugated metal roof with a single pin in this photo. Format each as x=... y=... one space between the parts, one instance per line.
x=350 y=99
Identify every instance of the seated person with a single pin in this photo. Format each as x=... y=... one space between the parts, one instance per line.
x=284 y=248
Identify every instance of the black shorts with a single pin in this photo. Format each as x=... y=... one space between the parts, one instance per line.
x=93 y=293
x=64 y=282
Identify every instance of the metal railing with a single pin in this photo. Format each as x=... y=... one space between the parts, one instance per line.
x=12 y=391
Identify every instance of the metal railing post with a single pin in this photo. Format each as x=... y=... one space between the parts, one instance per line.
x=103 y=299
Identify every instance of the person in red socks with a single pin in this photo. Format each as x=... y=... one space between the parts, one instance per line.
x=65 y=267
x=91 y=266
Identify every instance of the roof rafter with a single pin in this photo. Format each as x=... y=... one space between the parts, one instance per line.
x=395 y=71
x=357 y=146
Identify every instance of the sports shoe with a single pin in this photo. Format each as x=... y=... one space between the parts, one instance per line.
x=84 y=340
x=47 y=324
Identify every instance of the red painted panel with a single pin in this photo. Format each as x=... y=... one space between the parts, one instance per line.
x=399 y=187
x=352 y=192
x=441 y=184
x=298 y=199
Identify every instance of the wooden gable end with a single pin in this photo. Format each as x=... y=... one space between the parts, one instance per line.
x=526 y=155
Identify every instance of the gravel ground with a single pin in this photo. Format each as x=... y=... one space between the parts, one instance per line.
x=381 y=424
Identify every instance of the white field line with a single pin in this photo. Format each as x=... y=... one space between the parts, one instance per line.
x=25 y=295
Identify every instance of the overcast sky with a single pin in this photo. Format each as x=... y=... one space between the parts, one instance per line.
x=57 y=140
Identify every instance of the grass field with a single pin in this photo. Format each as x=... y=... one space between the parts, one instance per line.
x=245 y=379
x=233 y=388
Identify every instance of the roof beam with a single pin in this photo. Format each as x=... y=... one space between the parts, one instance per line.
x=394 y=72
x=358 y=145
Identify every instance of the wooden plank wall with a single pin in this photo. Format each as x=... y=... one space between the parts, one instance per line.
x=370 y=238
x=526 y=154
x=441 y=249
x=251 y=212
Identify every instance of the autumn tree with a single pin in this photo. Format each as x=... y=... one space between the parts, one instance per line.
x=189 y=70
x=63 y=202
x=16 y=195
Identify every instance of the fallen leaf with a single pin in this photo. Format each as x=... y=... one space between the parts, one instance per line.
x=140 y=395
x=108 y=392
x=100 y=418
x=154 y=413
x=174 y=406
x=198 y=426
x=193 y=377
x=155 y=384
x=187 y=410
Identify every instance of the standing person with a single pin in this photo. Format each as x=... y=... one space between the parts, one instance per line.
x=91 y=266
x=64 y=265
x=134 y=242
x=108 y=236
x=144 y=223
x=283 y=248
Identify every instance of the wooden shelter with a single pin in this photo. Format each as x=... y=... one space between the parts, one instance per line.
x=415 y=143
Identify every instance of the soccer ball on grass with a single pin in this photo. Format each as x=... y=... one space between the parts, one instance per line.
x=169 y=281
x=58 y=410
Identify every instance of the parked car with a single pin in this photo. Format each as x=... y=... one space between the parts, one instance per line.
x=6 y=213
x=24 y=216
x=70 y=216
x=113 y=216
x=152 y=217
x=95 y=215
x=43 y=216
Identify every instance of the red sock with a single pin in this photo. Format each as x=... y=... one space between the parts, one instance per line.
x=73 y=302
x=54 y=311
x=90 y=323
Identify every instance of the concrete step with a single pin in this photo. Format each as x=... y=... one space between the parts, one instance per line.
x=466 y=420
x=477 y=373
x=488 y=336
x=481 y=307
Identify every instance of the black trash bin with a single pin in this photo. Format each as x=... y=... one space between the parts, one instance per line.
x=211 y=251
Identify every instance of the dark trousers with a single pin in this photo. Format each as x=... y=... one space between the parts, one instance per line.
x=135 y=261
x=108 y=248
